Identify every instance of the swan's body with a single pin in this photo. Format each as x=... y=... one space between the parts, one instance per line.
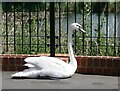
x=49 y=66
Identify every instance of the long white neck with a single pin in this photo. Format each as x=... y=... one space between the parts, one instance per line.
x=73 y=61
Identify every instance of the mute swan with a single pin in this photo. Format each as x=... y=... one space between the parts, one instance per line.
x=51 y=67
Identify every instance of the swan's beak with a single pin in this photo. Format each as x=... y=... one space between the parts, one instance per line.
x=82 y=30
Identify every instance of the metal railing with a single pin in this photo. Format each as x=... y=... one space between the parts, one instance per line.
x=44 y=28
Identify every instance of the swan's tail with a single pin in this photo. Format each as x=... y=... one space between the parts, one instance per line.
x=19 y=75
x=28 y=73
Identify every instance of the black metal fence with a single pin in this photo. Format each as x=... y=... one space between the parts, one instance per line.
x=44 y=28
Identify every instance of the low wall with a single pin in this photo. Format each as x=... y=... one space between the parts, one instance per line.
x=104 y=65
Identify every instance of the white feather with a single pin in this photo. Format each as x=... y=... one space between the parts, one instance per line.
x=29 y=65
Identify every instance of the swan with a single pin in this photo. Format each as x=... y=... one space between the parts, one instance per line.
x=51 y=67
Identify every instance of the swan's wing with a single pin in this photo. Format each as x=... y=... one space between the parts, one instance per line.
x=44 y=62
x=45 y=66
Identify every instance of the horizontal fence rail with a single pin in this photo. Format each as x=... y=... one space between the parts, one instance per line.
x=42 y=27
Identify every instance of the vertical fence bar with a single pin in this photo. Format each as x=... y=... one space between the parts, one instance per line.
x=107 y=37
x=67 y=24
x=14 y=31
x=75 y=11
x=22 y=30
x=91 y=32
x=75 y=31
x=37 y=28
x=45 y=28
x=67 y=18
x=98 y=37
x=52 y=29
x=6 y=27
x=30 y=30
x=83 y=44
x=1 y=35
x=59 y=27
x=115 y=29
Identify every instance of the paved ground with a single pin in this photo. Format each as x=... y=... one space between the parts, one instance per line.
x=78 y=81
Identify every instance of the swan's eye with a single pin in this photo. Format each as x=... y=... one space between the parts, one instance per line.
x=78 y=26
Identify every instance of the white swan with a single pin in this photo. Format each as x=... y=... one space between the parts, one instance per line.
x=44 y=66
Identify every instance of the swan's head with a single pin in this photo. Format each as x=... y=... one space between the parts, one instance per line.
x=76 y=26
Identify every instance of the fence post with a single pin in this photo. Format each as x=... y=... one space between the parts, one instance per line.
x=52 y=30
x=1 y=24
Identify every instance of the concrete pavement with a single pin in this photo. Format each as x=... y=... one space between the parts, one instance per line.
x=78 y=81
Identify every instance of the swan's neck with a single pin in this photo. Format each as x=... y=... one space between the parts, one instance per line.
x=73 y=61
